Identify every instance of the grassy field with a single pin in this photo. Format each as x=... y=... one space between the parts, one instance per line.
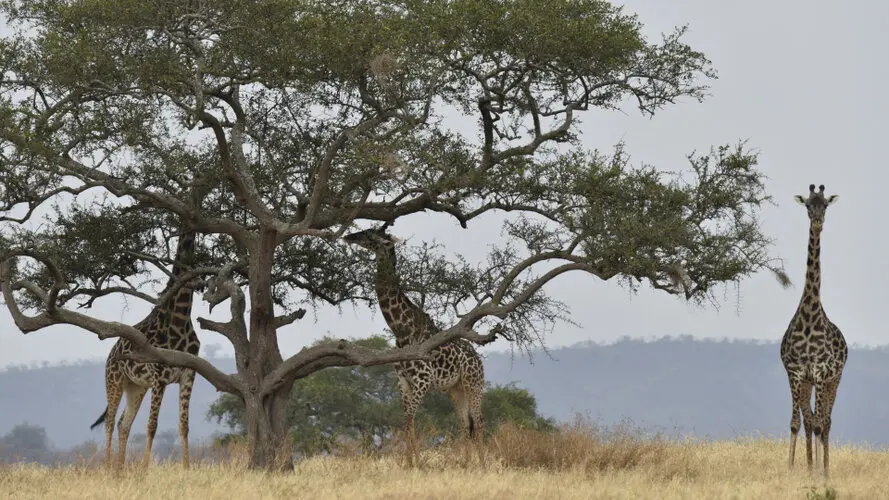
x=518 y=464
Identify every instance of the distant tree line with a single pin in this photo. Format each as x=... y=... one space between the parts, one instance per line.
x=29 y=443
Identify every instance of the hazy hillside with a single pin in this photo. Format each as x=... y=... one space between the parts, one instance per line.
x=682 y=386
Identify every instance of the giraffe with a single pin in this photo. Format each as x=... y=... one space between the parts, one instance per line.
x=813 y=349
x=169 y=326
x=455 y=367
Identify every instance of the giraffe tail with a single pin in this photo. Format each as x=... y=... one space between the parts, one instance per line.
x=100 y=420
x=471 y=426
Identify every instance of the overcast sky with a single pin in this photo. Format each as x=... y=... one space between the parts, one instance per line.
x=804 y=81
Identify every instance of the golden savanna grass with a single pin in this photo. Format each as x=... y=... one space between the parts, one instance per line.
x=575 y=463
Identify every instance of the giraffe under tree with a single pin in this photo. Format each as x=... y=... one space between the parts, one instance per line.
x=169 y=326
x=813 y=349
x=454 y=367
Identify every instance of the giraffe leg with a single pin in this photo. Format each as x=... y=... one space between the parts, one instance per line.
x=185 y=386
x=801 y=395
x=474 y=395
x=411 y=397
x=477 y=420
x=794 y=430
x=805 y=405
x=820 y=396
x=157 y=396
x=135 y=394
x=830 y=395
x=409 y=413
x=114 y=392
x=461 y=405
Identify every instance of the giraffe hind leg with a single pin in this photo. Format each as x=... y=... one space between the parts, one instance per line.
x=461 y=405
x=114 y=393
x=135 y=394
x=475 y=391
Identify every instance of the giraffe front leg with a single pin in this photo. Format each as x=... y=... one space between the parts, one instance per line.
x=794 y=420
x=829 y=399
x=801 y=393
x=820 y=390
x=157 y=396
x=410 y=438
x=185 y=387
x=411 y=397
x=805 y=406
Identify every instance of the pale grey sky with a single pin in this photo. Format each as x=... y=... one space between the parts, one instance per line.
x=802 y=80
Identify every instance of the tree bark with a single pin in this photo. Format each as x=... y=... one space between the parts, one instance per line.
x=267 y=430
x=268 y=437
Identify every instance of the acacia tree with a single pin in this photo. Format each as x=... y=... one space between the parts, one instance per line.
x=302 y=119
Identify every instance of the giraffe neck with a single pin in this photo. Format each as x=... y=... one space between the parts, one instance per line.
x=182 y=301
x=812 y=291
x=398 y=310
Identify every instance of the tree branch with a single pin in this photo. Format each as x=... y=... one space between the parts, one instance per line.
x=54 y=315
x=289 y=318
x=120 y=188
x=344 y=353
x=323 y=174
x=220 y=288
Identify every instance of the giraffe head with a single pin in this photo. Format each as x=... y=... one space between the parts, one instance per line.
x=376 y=240
x=816 y=204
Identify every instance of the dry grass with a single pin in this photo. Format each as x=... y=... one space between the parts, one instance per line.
x=579 y=462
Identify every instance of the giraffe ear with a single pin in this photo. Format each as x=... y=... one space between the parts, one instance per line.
x=832 y=199
x=799 y=199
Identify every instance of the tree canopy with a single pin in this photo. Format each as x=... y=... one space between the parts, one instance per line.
x=273 y=127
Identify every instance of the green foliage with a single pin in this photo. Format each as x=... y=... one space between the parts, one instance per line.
x=134 y=79
x=356 y=404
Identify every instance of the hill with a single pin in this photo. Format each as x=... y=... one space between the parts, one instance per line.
x=713 y=389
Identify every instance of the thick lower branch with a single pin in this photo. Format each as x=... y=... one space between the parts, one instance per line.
x=344 y=353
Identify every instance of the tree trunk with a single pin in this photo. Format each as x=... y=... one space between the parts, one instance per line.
x=267 y=430
x=268 y=435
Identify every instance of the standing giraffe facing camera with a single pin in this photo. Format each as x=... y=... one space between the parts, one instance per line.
x=455 y=367
x=813 y=349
